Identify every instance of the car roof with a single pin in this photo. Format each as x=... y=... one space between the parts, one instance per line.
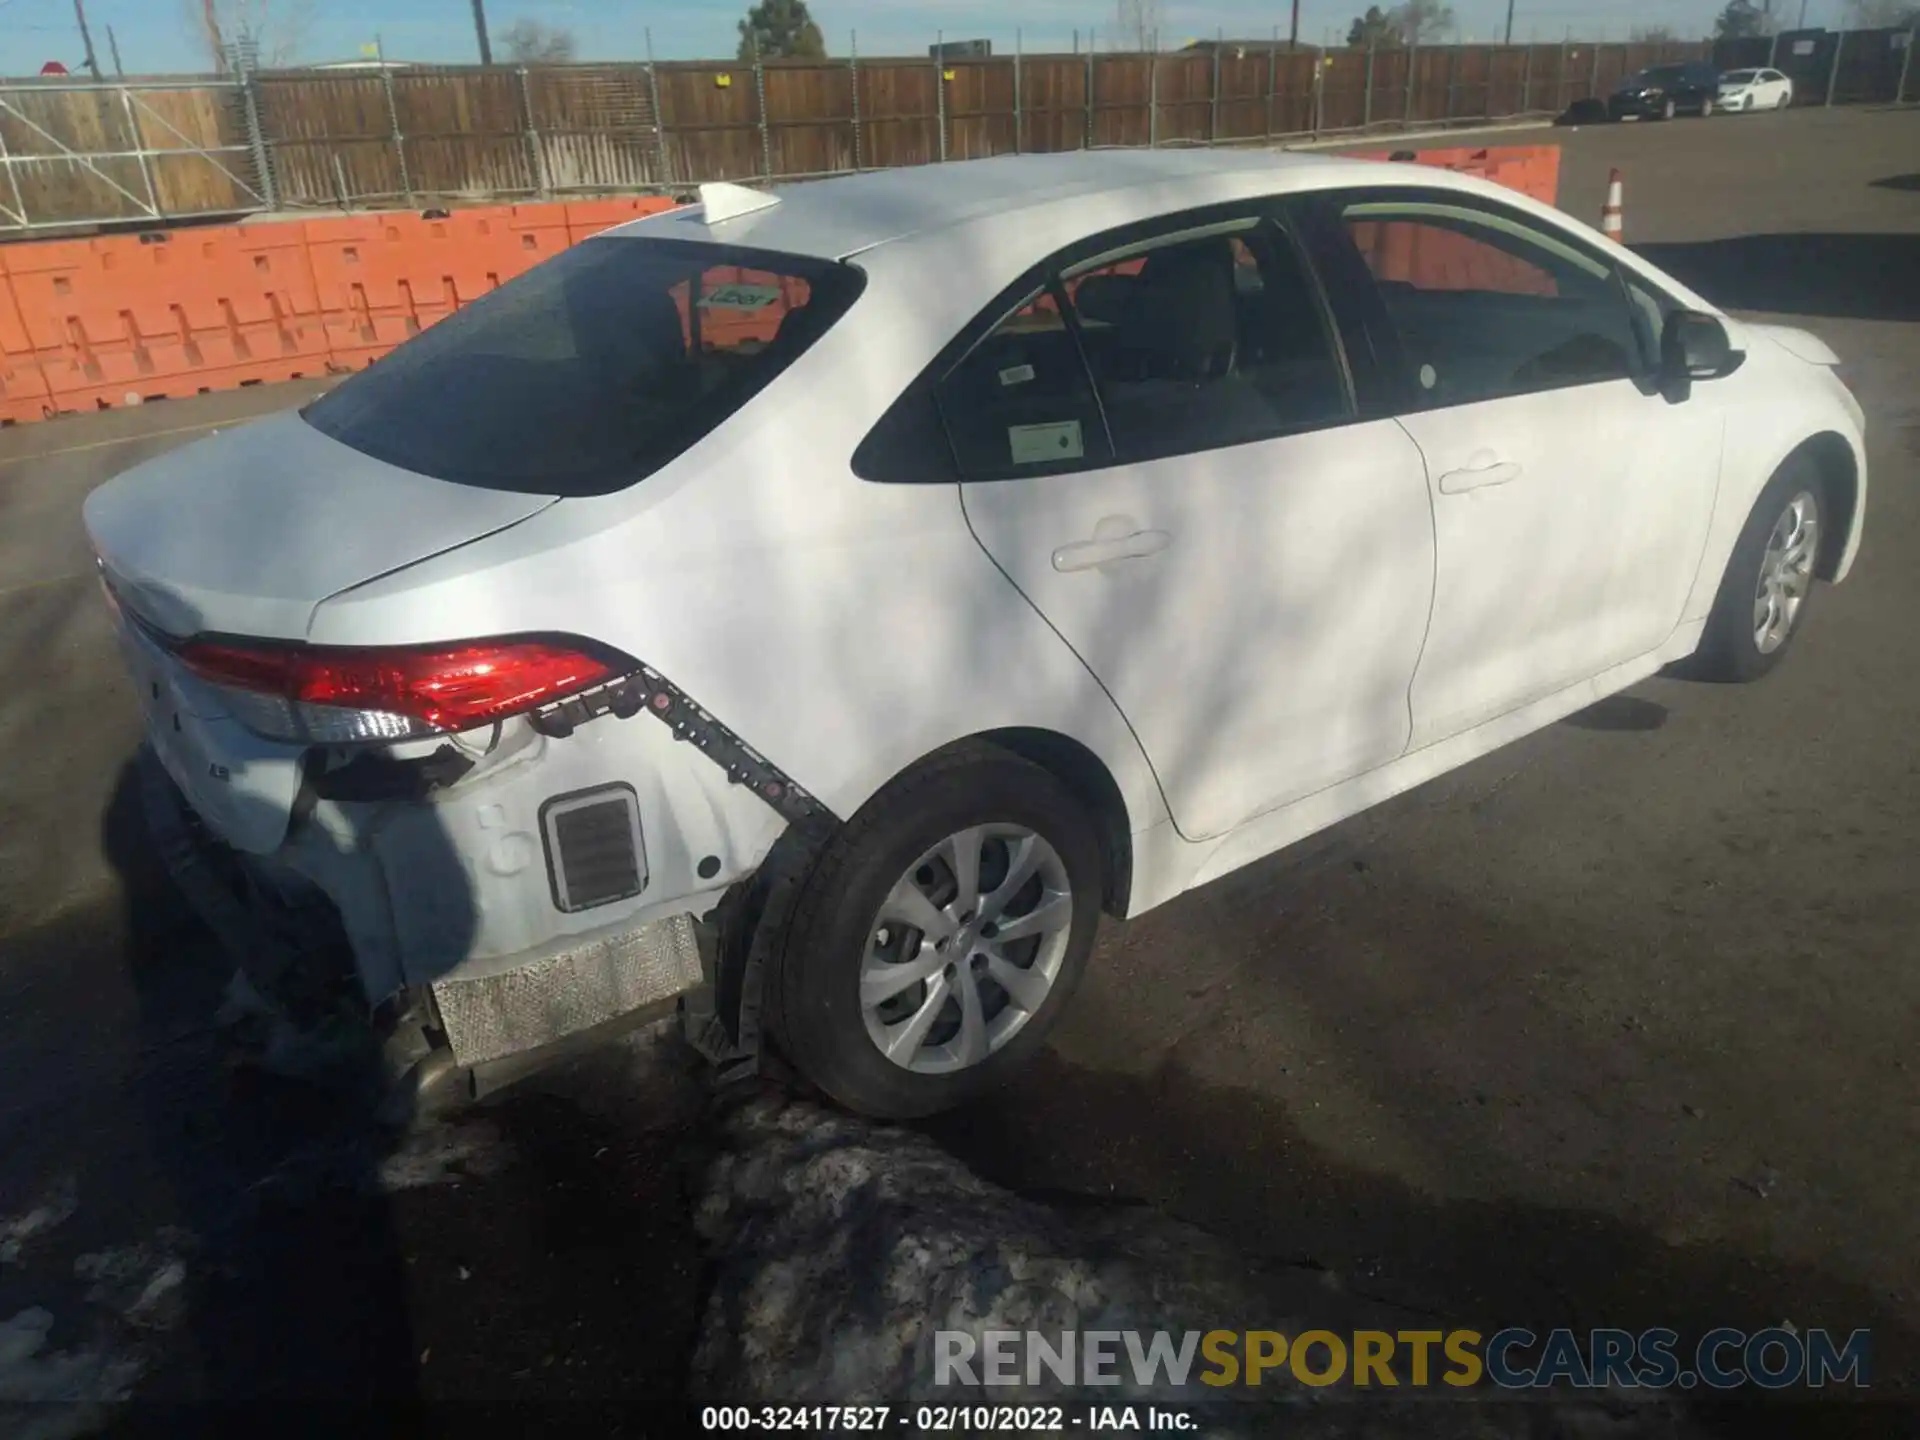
x=842 y=216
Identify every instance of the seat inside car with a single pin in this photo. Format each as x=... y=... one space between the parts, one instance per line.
x=1179 y=321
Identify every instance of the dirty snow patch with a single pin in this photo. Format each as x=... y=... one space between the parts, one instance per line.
x=54 y=1394
x=54 y=1208
x=443 y=1154
x=143 y=1284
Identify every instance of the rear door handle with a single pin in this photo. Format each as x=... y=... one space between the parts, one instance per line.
x=1479 y=477
x=1106 y=549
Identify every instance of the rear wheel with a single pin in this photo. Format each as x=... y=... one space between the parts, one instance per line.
x=939 y=936
x=1762 y=601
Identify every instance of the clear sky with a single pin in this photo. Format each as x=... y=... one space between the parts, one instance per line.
x=156 y=35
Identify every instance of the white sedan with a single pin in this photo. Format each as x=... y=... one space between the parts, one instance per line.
x=1747 y=90
x=816 y=607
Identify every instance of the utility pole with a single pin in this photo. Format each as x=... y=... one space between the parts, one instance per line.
x=113 y=49
x=480 y=31
x=91 y=61
x=1293 y=34
x=1906 y=62
x=1509 y=39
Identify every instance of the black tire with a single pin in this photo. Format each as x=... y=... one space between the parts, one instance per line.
x=1729 y=651
x=813 y=981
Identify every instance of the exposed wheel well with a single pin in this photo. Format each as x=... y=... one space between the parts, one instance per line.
x=1833 y=457
x=1086 y=775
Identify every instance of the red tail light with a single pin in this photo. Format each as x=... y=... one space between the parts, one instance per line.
x=335 y=694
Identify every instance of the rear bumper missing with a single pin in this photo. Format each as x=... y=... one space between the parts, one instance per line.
x=568 y=992
x=287 y=935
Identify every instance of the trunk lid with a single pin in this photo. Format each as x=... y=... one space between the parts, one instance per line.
x=247 y=531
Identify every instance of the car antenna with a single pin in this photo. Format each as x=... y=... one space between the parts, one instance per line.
x=728 y=202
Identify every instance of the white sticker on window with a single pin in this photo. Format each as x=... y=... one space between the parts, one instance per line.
x=741 y=297
x=1016 y=375
x=1803 y=47
x=1042 y=444
x=1429 y=377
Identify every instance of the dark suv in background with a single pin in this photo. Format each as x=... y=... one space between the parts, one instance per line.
x=1661 y=92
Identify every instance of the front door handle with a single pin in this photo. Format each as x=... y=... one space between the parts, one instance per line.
x=1479 y=477
x=1114 y=539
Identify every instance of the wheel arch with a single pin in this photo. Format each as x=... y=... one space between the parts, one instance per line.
x=1839 y=470
x=1089 y=781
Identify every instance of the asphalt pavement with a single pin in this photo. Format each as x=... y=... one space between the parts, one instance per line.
x=1614 y=1026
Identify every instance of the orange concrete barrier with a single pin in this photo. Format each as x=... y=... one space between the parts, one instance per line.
x=123 y=319
x=1533 y=170
x=119 y=320
x=377 y=286
x=589 y=217
x=23 y=388
x=1437 y=259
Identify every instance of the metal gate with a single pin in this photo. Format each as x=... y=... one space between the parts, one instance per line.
x=77 y=154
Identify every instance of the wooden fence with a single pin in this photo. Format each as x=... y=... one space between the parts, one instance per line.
x=76 y=154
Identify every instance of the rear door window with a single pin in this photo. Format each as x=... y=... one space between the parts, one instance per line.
x=592 y=370
x=1207 y=338
x=1204 y=336
x=1021 y=402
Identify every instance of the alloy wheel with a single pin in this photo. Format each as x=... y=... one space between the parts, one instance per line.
x=1786 y=572
x=965 y=948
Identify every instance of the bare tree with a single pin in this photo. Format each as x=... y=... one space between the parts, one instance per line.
x=257 y=34
x=1422 y=22
x=531 y=42
x=1417 y=22
x=1651 y=35
x=1136 y=23
x=1742 y=20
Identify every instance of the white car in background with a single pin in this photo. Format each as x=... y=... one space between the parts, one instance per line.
x=1758 y=89
x=823 y=604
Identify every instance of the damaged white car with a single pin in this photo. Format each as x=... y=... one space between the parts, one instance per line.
x=814 y=608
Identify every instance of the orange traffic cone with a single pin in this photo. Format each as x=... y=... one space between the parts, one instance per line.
x=1611 y=224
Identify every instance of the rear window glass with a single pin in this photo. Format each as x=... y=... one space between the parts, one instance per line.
x=591 y=370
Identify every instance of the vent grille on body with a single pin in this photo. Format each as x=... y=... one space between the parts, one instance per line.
x=595 y=855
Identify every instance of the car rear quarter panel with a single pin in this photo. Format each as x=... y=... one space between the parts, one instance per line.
x=842 y=628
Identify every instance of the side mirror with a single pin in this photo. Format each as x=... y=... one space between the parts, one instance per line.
x=1695 y=346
